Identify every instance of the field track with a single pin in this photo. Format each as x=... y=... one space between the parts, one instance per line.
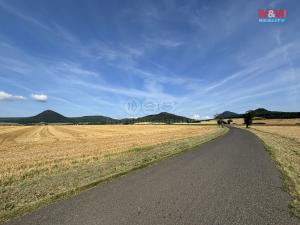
x=230 y=180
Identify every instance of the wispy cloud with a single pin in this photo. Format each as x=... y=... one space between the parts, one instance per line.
x=73 y=68
x=129 y=92
x=270 y=61
x=160 y=42
x=21 y=62
x=23 y=15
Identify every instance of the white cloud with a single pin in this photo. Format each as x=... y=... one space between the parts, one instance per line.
x=39 y=98
x=9 y=97
x=130 y=92
x=198 y=117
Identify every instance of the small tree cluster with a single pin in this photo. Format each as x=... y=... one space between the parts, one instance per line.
x=220 y=122
x=248 y=118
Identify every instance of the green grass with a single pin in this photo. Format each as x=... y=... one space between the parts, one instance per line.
x=36 y=190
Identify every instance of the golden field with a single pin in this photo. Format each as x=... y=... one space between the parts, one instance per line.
x=282 y=122
x=238 y=121
x=291 y=132
x=283 y=143
x=39 y=164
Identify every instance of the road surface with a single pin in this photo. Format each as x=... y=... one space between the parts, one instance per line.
x=228 y=181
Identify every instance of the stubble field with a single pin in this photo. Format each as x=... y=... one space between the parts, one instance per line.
x=39 y=164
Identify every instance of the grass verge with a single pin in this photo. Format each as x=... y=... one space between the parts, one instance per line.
x=21 y=196
x=285 y=152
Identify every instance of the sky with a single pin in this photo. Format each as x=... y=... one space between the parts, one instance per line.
x=132 y=58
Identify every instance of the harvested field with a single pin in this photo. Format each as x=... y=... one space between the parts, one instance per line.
x=238 y=121
x=292 y=132
x=271 y=122
x=279 y=121
x=39 y=164
x=283 y=143
x=208 y=122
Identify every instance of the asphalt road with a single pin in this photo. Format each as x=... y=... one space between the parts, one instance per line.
x=230 y=180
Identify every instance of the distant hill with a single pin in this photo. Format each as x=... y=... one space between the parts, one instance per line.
x=50 y=116
x=261 y=112
x=95 y=120
x=227 y=115
x=9 y=119
x=165 y=117
x=47 y=116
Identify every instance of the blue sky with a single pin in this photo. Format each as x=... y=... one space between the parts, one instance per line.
x=131 y=58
